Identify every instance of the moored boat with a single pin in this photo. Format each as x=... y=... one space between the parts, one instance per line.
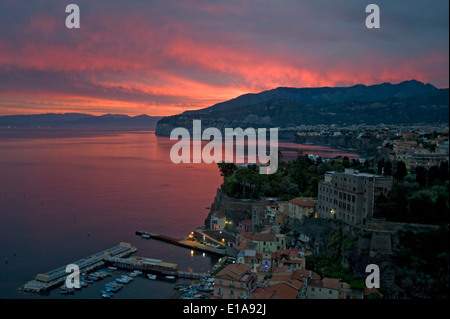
x=67 y=291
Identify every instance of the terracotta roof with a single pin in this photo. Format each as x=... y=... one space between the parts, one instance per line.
x=241 y=246
x=264 y=237
x=280 y=278
x=276 y=270
x=293 y=261
x=279 y=291
x=288 y=253
x=234 y=271
x=294 y=283
x=282 y=252
x=247 y=222
x=315 y=283
x=297 y=284
x=218 y=214
x=301 y=274
x=283 y=291
x=303 y=202
x=267 y=229
x=261 y=293
x=369 y=291
x=331 y=283
x=246 y=234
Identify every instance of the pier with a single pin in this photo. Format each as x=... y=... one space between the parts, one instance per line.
x=117 y=256
x=152 y=266
x=46 y=281
x=184 y=243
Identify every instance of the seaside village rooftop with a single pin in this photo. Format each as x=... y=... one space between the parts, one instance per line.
x=268 y=265
x=265 y=269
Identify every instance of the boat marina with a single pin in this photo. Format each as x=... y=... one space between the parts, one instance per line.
x=46 y=281
x=114 y=261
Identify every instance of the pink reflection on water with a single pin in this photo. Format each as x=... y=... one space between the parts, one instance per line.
x=289 y=150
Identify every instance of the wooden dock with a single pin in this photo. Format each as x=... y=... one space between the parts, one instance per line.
x=183 y=243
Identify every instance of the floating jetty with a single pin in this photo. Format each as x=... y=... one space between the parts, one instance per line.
x=183 y=243
x=46 y=281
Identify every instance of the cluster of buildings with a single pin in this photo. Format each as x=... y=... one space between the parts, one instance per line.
x=415 y=145
x=266 y=269
x=417 y=148
x=347 y=196
x=268 y=265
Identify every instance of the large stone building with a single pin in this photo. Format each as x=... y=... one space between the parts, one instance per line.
x=350 y=195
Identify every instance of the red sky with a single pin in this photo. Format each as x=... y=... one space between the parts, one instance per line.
x=165 y=57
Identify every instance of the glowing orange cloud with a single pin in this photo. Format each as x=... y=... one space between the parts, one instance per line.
x=140 y=61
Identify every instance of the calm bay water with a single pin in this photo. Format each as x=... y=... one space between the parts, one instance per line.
x=66 y=195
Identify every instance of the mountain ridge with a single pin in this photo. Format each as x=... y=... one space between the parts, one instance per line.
x=80 y=120
x=312 y=95
x=403 y=103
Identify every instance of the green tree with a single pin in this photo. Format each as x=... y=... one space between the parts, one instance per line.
x=401 y=171
x=441 y=208
x=433 y=175
x=420 y=203
x=388 y=168
x=421 y=176
x=250 y=181
x=443 y=171
x=346 y=162
x=227 y=169
x=380 y=166
x=395 y=205
x=231 y=187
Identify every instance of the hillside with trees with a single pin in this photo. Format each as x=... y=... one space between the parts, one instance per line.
x=422 y=196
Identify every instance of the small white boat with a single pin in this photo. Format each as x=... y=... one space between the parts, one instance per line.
x=135 y=273
x=126 y=279
x=122 y=280
x=150 y=276
x=170 y=277
x=146 y=236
